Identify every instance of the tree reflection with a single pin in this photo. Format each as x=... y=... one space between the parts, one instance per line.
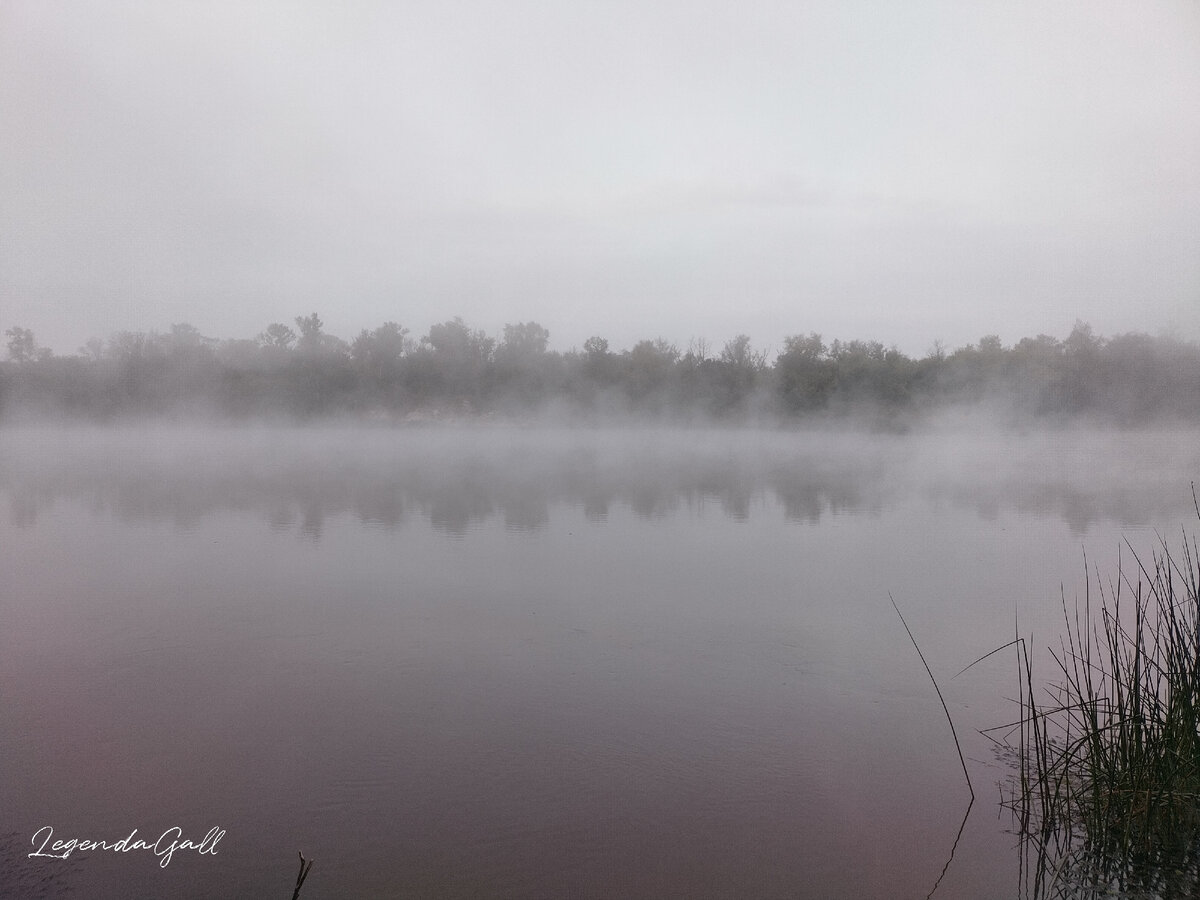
x=459 y=480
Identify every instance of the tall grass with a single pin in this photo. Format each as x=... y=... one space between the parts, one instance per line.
x=1108 y=784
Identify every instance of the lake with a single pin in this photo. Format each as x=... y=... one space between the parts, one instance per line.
x=497 y=661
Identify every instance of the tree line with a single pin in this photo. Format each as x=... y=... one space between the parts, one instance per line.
x=302 y=372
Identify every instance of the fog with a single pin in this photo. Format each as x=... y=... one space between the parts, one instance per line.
x=455 y=478
x=475 y=443
x=932 y=171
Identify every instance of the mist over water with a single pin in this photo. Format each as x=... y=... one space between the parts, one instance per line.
x=456 y=478
x=512 y=661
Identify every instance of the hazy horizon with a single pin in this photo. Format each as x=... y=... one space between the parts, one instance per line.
x=705 y=345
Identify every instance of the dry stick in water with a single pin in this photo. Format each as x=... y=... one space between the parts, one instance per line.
x=957 y=746
x=945 y=708
x=305 y=866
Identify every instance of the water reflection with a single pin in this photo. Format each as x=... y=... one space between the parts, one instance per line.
x=1076 y=505
x=1055 y=866
x=694 y=708
x=457 y=479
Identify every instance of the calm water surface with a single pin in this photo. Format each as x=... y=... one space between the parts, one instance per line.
x=490 y=662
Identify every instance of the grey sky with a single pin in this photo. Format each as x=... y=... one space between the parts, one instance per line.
x=898 y=171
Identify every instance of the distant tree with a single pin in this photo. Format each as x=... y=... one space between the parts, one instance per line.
x=658 y=353
x=311 y=337
x=1128 y=380
x=664 y=348
x=1082 y=380
x=21 y=344
x=523 y=369
x=187 y=345
x=240 y=353
x=453 y=340
x=1082 y=340
x=454 y=365
x=807 y=347
x=699 y=350
x=804 y=373
x=1035 y=366
x=976 y=370
x=597 y=367
x=855 y=352
x=133 y=346
x=739 y=354
x=648 y=367
x=377 y=355
x=523 y=341
x=1042 y=346
x=990 y=344
x=141 y=366
x=92 y=349
x=722 y=387
x=867 y=371
x=595 y=348
x=23 y=348
x=381 y=347
x=185 y=335
x=278 y=337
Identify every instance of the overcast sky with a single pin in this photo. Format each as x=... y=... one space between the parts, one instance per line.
x=900 y=171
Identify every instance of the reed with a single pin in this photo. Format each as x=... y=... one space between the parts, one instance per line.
x=1108 y=755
